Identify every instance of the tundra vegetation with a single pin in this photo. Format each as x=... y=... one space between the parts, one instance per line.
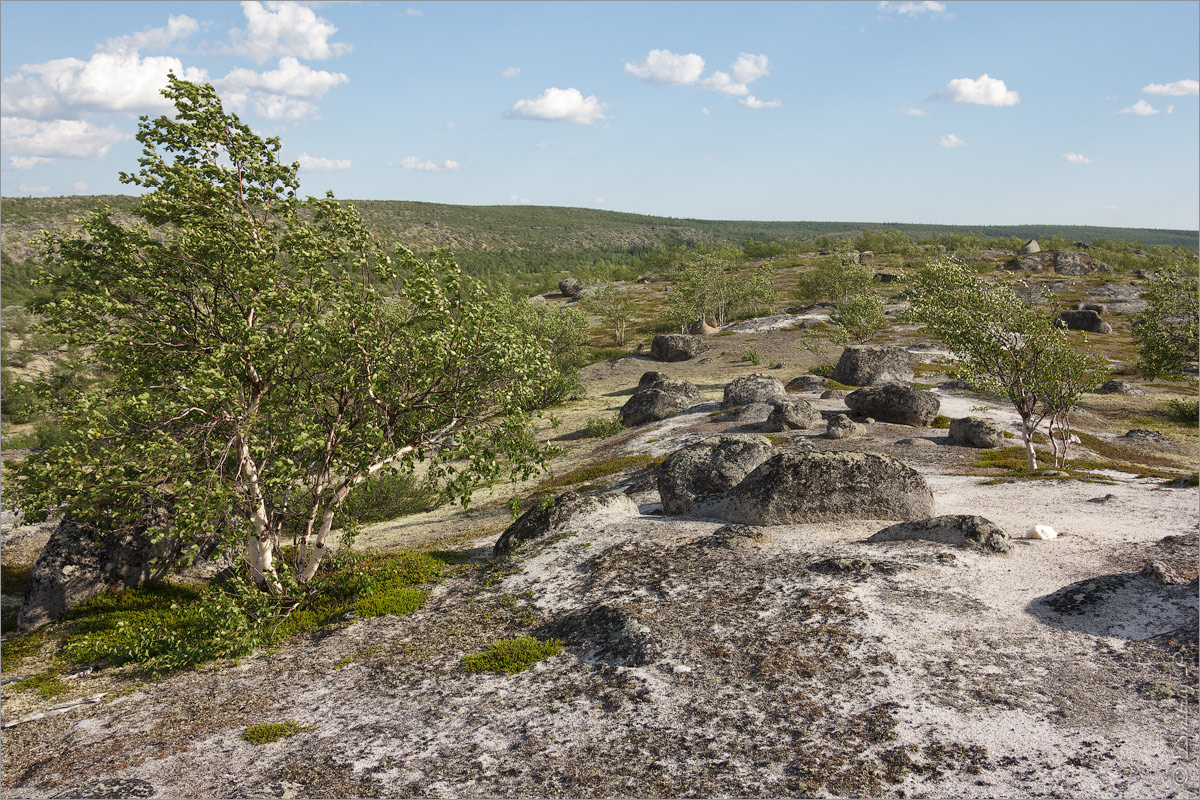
x=712 y=287
x=1166 y=333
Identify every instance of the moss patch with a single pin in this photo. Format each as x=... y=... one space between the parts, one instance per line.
x=16 y=648
x=940 y=421
x=47 y=684
x=599 y=470
x=511 y=655
x=268 y=732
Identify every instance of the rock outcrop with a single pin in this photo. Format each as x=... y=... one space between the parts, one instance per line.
x=807 y=383
x=1071 y=262
x=664 y=398
x=569 y=509
x=961 y=530
x=1030 y=247
x=867 y=366
x=753 y=389
x=1083 y=321
x=750 y=414
x=1116 y=386
x=676 y=347
x=976 y=432
x=570 y=286
x=895 y=402
x=841 y=426
x=708 y=468
x=795 y=415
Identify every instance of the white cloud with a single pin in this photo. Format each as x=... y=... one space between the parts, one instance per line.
x=178 y=27
x=414 y=163
x=1176 y=89
x=708 y=159
x=79 y=187
x=1141 y=108
x=318 y=163
x=522 y=200
x=746 y=69
x=25 y=188
x=669 y=69
x=599 y=201
x=950 y=140
x=1109 y=97
x=291 y=78
x=272 y=106
x=279 y=29
x=1076 y=158
x=511 y=72
x=754 y=102
x=413 y=12
x=542 y=145
x=1170 y=109
x=982 y=91
x=913 y=111
x=60 y=138
x=704 y=110
x=560 y=105
x=914 y=8
x=24 y=163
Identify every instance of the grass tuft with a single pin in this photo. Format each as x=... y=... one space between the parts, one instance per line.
x=599 y=470
x=268 y=732
x=47 y=684
x=511 y=655
x=941 y=421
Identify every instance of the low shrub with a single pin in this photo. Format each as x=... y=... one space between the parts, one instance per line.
x=387 y=496
x=1185 y=411
x=600 y=428
x=752 y=356
x=268 y=732
x=822 y=370
x=511 y=655
x=940 y=421
x=47 y=685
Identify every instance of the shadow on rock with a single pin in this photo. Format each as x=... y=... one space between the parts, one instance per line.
x=1125 y=605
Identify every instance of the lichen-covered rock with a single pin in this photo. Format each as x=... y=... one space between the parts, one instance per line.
x=78 y=563
x=570 y=286
x=961 y=530
x=841 y=426
x=738 y=537
x=807 y=383
x=796 y=415
x=1031 y=246
x=867 y=366
x=895 y=402
x=820 y=487
x=707 y=468
x=651 y=377
x=1116 y=386
x=751 y=414
x=1071 y=262
x=99 y=788
x=833 y=394
x=753 y=389
x=1083 y=321
x=676 y=347
x=606 y=634
x=976 y=432
x=569 y=510
x=663 y=399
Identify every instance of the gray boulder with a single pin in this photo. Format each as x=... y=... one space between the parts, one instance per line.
x=1071 y=262
x=841 y=426
x=866 y=366
x=833 y=394
x=752 y=413
x=708 y=468
x=606 y=633
x=1147 y=436
x=961 y=530
x=650 y=378
x=807 y=383
x=976 y=432
x=753 y=389
x=78 y=563
x=738 y=537
x=866 y=256
x=1083 y=321
x=537 y=300
x=796 y=415
x=570 y=286
x=1030 y=247
x=676 y=347
x=895 y=402
x=663 y=399
x=818 y=487
x=569 y=510
x=1119 y=387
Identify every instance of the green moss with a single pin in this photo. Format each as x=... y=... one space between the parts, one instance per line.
x=268 y=732
x=779 y=441
x=940 y=421
x=14 y=579
x=46 y=685
x=15 y=649
x=600 y=470
x=511 y=655
x=724 y=333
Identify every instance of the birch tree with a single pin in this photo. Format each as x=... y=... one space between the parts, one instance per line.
x=265 y=356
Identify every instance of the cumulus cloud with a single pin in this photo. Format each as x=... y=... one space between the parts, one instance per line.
x=704 y=110
x=599 y=201
x=60 y=138
x=178 y=26
x=511 y=72
x=982 y=91
x=913 y=8
x=291 y=78
x=754 y=102
x=1170 y=109
x=913 y=111
x=25 y=163
x=668 y=69
x=950 y=140
x=414 y=163
x=1141 y=108
x=318 y=163
x=560 y=105
x=1176 y=89
x=79 y=187
x=1076 y=158
x=280 y=29
x=748 y=68
x=413 y=12
x=25 y=188
x=522 y=200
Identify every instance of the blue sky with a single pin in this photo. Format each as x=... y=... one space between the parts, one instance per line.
x=943 y=112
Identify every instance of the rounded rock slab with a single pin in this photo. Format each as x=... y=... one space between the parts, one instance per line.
x=867 y=366
x=715 y=465
x=895 y=402
x=753 y=389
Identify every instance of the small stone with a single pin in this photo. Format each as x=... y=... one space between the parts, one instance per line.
x=1041 y=532
x=1104 y=499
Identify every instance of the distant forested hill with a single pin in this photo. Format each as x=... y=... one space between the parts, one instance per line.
x=528 y=246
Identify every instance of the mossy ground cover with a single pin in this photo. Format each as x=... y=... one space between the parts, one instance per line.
x=511 y=656
x=267 y=732
x=601 y=469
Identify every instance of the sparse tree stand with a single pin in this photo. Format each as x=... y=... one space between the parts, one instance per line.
x=614 y=308
x=258 y=372
x=1008 y=347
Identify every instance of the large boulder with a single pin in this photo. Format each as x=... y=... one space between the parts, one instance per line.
x=752 y=413
x=703 y=327
x=651 y=377
x=867 y=366
x=78 y=563
x=796 y=415
x=1083 y=321
x=841 y=426
x=569 y=510
x=976 y=432
x=819 y=487
x=663 y=399
x=1030 y=247
x=707 y=468
x=807 y=383
x=895 y=402
x=570 y=286
x=676 y=347
x=753 y=389
x=961 y=530
x=1116 y=386
x=1071 y=262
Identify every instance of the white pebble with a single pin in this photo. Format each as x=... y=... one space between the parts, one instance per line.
x=680 y=669
x=1041 y=532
